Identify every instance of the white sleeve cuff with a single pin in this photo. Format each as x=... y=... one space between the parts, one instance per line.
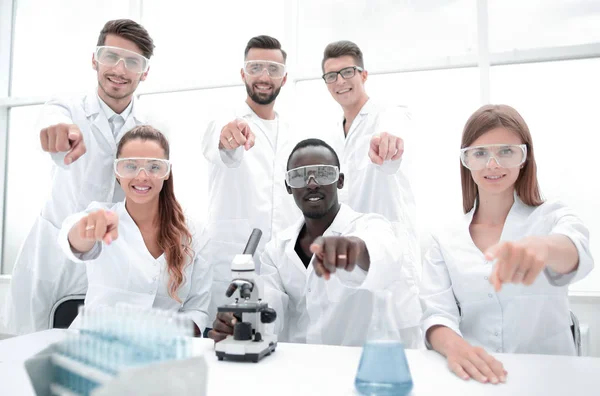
x=585 y=266
x=232 y=158
x=59 y=159
x=198 y=317
x=63 y=241
x=438 y=321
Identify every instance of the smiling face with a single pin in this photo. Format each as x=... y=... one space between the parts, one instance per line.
x=116 y=83
x=314 y=200
x=145 y=186
x=346 y=91
x=495 y=179
x=263 y=89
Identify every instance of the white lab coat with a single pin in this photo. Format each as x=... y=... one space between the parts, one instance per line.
x=518 y=319
x=338 y=311
x=382 y=189
x=246 y=190
x=42 y=273
x=126 y=272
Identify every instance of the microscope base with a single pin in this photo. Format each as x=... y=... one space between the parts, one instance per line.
x=244 y=351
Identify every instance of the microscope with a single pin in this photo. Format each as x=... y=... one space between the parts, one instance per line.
x=249 y=341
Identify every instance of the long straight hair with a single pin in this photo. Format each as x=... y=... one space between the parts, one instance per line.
x=174 y=237
x=485 y=119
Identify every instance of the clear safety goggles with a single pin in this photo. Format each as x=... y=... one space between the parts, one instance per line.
x=346 y=73
x=155 y=168
x=256 y=68
x=323 y=175
x=505 y=155
x=111 y=56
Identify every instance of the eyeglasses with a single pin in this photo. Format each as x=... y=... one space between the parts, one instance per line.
x=322 y=174
x=346 y=73
x=111 y=56
x=256 y=68
x=505 y=155
x=129 y=168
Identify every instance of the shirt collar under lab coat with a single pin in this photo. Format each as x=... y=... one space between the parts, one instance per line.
x=342 y=220
x=93 y=108
x=110 y=113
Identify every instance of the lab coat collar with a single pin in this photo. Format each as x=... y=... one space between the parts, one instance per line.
x=126 y=219
x=341 y=222
x=92 y=106
x=519 y=209
x=368 y=107
x=246 y=110
x=94 y=112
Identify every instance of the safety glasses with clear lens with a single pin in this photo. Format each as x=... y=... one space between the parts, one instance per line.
x=257 y=67
x=111 y=56
x=129 y=168
x=505 y=155
x=322 y=174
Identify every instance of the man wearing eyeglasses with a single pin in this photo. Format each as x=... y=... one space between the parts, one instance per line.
x=81 y=134
x=247 y=150
x=321 y=273
x=370 y=141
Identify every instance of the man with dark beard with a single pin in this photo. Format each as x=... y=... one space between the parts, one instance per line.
x=321 y=273
x=247 y=151
x=81 y=134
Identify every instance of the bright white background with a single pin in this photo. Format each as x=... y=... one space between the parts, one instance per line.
x=441 y=58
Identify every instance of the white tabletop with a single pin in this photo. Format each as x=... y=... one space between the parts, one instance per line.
x=296 y=369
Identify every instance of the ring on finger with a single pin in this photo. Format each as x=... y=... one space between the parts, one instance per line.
x=90 y=227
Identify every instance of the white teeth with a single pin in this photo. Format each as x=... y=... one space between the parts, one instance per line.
x=314 y=199
x=141 y=188
x=116 y=81
x=493 y=177
x=344 y=91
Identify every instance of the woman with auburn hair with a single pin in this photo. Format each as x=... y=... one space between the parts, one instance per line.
x=497 y=282
x=141 y=251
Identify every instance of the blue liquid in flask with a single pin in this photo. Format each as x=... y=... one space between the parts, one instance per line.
x=383 y=369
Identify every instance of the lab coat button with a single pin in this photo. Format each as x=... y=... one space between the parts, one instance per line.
x=490 y=295
x=485 y=277
x=309 y=290
x=496 y=334
x=498 y=350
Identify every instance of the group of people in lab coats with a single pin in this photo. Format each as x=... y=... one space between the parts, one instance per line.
x=337 y=216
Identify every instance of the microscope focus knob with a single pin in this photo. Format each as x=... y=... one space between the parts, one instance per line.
x=268 y=315
x=242 y=331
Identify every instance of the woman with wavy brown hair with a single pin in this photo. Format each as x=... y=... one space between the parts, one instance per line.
x=497 y=282
x=141 y=251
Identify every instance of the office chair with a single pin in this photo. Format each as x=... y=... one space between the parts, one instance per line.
x=65 y=311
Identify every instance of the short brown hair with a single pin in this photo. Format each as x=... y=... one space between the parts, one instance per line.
x=485 y=119
x=264 y=42
x=343 y=48
x=129 y=30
